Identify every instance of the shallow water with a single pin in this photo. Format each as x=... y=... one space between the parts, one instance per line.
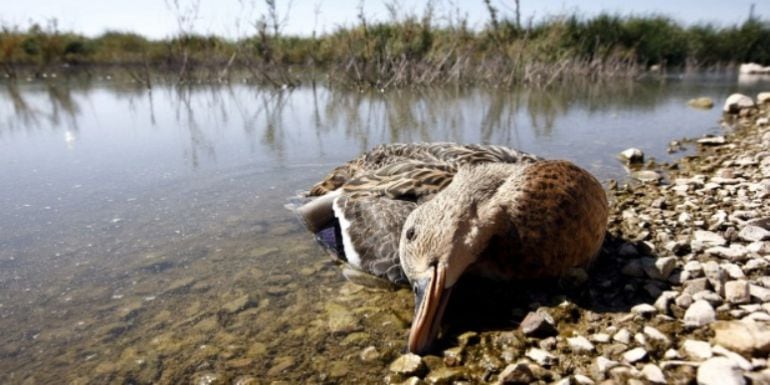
x=143 y=236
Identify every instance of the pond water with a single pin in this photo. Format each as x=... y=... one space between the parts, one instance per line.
x=143 y=237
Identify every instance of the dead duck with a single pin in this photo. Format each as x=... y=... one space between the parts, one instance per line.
x=426 y=214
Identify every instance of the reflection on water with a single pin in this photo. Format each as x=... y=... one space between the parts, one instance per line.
x=143 y=237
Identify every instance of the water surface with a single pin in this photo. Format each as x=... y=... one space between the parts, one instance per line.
x=143 y=236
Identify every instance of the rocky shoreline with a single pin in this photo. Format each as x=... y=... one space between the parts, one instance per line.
x=680 y=293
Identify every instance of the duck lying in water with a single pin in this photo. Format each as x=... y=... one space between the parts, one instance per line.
x=428 y=213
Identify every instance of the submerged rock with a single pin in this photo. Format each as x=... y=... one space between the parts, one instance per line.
x=701 y=102
x=408 y=364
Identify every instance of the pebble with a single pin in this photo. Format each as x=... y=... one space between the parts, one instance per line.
x=657 y=336
x=408 y=364
x=737 y=292
x=369 y=354
x=542 y=357
x=538 y=324
x=644 y=309
x=699 y=313
x=516 y=374
x=623 y=336
x=445 y=376
x=580 y=344
x=634 y=355
x=760 y=293
x=754 y=234
x=653 y=374
x=697 y=350
x=720 y=371
x=709 y=238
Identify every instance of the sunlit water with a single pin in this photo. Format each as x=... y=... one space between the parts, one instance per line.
x=143 y=236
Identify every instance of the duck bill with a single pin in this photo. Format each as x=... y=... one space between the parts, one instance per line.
x=430 y=302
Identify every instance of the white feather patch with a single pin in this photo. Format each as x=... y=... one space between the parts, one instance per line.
x=350 y=251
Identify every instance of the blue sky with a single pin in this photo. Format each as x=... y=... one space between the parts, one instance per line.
x=234 y=18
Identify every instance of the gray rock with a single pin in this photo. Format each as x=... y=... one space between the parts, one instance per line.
x=653 y=374
x=737 y=102
x=634 y=355
x=408 y=364
x=684 y=300
x=665 y=266
x=696 y=285
x=754 y=234
x=720 y=371
x=542 y=357
x=709 y=296
x=538 y=324
x=733 y=271
x=580 y=344
x=715 y=275
x=646 y=176
x=632 y=155
x=737 y=292
x=697 y=350
x=699 y=313
x=735 y=252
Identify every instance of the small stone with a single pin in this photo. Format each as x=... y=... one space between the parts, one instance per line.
x=657 y=336
x=733 y=271
x=703 y=102
x=671 y=354
x=632 y=155
x=516 y=374
x=646 y=176
x=709 y=296
x=644 y=309
x=737 y=102
x=664 y=299
x=238 y=304
x=699 y=313
x=745 y=336
x=623 y=336
x=542 y=357
x=538 y=324
x=369 y=354
x=735 y=357
x=634 y=355
x=710 y=140
x=280 y=364
x=580 y=379
x=737 y=292
x=665 y=266
x=445 y=376
x=760 y=293
x=453 y=356
x=653 y=374
x=720 y=371
x=735 y=252
x=408 y=364
x=604 y=364
x=715 y=275
x=697 y=350
x=580 y=344
x=709 y=238
x=601 y=338
x=754 y=234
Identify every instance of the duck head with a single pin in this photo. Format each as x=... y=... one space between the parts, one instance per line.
x=439 y=240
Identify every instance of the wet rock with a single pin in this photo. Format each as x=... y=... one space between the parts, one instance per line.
x=632 y=155
x=737 y=292
x=697 y=350
x=719 y=371
x=341 y=320
x=580 y=344
x=702 y=102
x=408 y=364
x=516 y=374
x=369 y=354
x=634 y=355
x=699 y=313
x=207 y=379
x=542 y=357
x=646 y=176
x=240 y=303
x=281 y=364
x=445 y=376
x=453 y=356
x=745 y=336
x=696 y=285
x=653 y=374
x=737 y=102
x=538 y=324
x=754 y=234
x=338 y=369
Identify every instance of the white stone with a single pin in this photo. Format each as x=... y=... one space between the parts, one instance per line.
x=653 y=374
x=601 y=338
x=737 y=292
x=736 y=102
x=734 y=357
x=671 y=354
x=656 y=335
x=580 y=344
x=634 y=355
x=603 y=364
x=733 y=271
x=644 y=309
x=623 y=336
x=632 y=155
x=582 y=380
x=699 y=313
x=697 y=350
x=709 y=238
x=752 y=233
x=712 y=140
x=709 y=296
x=720 y=371
x=760 y=293
x=763 y=97
x=735 y=252
x=542 y=357
x=665 y=266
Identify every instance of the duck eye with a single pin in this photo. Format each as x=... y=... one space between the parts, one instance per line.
x=410 y=234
